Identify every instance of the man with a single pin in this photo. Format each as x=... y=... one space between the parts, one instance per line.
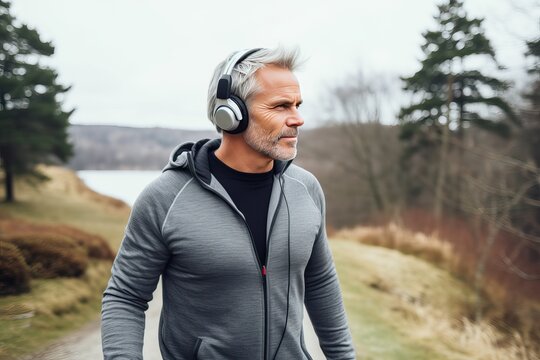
x=236 y=231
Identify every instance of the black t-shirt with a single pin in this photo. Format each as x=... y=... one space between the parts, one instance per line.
x=250 y=193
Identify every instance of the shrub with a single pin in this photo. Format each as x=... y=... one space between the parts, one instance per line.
x=14 y=272
x=96 y=246
x=51 y=256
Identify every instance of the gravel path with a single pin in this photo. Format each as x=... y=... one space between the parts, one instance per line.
x=85 y=344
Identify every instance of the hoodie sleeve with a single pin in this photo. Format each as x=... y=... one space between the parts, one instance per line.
x=134 y=277
x=323 y=298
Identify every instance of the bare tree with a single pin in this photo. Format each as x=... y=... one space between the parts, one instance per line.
x=369 y=149
x=494 y=193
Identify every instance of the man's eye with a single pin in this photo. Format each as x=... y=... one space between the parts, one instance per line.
x=286 y=106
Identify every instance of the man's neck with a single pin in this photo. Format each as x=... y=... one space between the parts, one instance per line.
x=235 y=153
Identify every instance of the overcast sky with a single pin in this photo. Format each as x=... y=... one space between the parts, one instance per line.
x=148 y=63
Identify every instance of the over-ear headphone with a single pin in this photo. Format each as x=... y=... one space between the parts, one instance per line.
x=230 y=112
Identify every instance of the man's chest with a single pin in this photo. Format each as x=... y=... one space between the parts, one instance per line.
x=208 y=236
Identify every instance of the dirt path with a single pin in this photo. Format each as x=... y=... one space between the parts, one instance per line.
x=85 y=344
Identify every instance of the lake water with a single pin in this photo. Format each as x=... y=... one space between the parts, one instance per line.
x=125 y=185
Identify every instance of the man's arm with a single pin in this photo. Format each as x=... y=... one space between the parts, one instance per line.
x=135 y=274
x=323 y=297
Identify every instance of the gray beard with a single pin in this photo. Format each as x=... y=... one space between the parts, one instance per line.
x=267 y=145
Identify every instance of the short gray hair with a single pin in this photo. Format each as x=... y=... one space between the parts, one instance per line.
x=244 y=84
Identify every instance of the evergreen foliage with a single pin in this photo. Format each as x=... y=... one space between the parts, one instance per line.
x=445 y=90
x=528 y=219
x=33 y=125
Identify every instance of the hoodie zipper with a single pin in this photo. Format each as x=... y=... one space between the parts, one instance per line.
x=262 y=267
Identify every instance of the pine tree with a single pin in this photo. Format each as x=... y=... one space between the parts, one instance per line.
x=528 y=220
x=531 y=114
x=33 y=125
x=448 y=94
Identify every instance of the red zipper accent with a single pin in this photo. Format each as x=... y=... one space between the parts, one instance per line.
x=264 y=270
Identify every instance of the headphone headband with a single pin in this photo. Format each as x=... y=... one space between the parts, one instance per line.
x=225 y=81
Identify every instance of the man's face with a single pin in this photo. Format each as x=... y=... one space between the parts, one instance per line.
x=273 y=114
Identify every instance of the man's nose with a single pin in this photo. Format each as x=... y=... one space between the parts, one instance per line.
x=295 y=120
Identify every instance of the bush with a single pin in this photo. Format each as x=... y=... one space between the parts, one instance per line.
x=51 y=256
x=97 y=247
x=14 y=272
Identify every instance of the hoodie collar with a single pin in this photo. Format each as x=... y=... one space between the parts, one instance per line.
x=194 y=155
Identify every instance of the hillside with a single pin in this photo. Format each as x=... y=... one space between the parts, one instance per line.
x=61 y=305
x=401 y=307
x=66 y=199
x=398 y=306
x=105 y=147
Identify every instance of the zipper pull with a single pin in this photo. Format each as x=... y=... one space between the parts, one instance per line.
x=264 y=270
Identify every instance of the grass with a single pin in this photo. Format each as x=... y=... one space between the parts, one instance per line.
x=66 y=200
x=418 y=244
x=59 y=306
x=399 y=306
x=403 y=307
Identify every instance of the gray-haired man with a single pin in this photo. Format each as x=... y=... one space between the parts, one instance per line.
x=237 y=232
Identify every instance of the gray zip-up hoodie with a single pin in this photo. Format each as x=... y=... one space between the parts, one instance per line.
x=219 y=300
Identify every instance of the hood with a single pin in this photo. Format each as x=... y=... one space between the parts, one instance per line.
x=194 y=155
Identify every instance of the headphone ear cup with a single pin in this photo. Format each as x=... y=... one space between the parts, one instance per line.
x=242 y=125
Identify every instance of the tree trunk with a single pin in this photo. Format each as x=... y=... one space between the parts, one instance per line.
x=460 y=152
x=7 y=163
x=481 y=267
x=441 y=173
x=362 y=154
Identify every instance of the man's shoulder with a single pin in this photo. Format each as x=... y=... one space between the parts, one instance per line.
x=163 y=189
x=308 y=180
x=305 y=176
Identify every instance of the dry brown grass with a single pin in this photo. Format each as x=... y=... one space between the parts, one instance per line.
x=96 y=246
x=468 y=234
x=14 y=271
x=74 y=291
x=479 y=340
x=55 y=307
x=50 y=256
x=392 y=236
x=63 y=206
x=65 y=203
x=507 y=331
x=68 y=183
